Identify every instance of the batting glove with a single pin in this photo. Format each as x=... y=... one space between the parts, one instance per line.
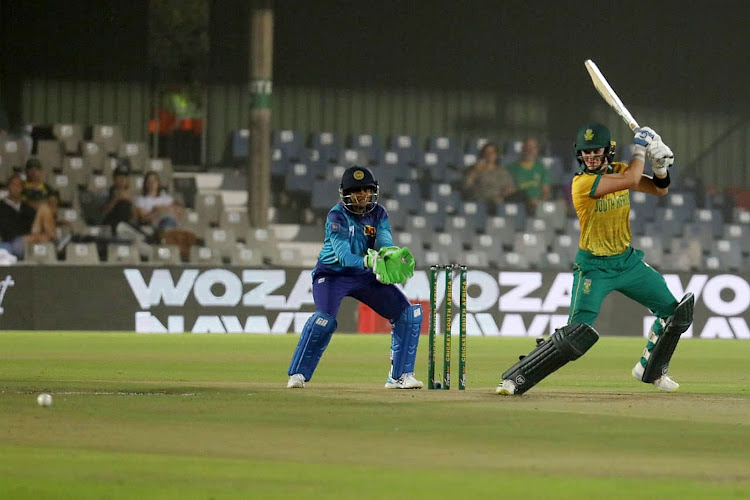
x=644 y=136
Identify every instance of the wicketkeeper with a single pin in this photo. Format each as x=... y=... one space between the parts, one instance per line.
x=359 y=260
x=606 y=262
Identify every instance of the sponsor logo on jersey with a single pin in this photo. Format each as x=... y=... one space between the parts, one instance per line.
x=369 y=231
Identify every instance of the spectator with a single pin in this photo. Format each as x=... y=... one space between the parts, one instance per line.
x=24 y=220
x=35 y=181
x=119 y=206
x=155 y=206
x=490 y=182
x=530 y=175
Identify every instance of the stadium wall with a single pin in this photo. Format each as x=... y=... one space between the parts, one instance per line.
x=278 y=301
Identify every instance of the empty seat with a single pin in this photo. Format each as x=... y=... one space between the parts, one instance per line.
x=13 y=153
x=109 y=137
x=40 y=253
x=205 y=256
x=210 y=206
x=501 y=228
x=81 y=254
x=93 y=156
x=451 y=250
x=236 y=220
x=542 y=229
x=566 y=247
x=729 y=254
x=327 y=145
x=405 y=146
x=65 y=187
x=653 y=249
x=121 y=253
x=239 y=146
x=474 y=145
x=475 y=212
x=299 y=178
x=220 y=240
x=515 y=261
x=490 y=245
x=515 y=213
x=76 y=171
x=554 y=213
x=290 y=142
x=446 y=196
x=50 y=154
x=531 y=246
x=369 y=144
x=165 y=254
x=242 y=255
x=324 y=195
x=70 y=136
x=644 y=204
x=445 y=147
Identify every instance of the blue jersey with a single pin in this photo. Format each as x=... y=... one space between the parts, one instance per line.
x=348 y=236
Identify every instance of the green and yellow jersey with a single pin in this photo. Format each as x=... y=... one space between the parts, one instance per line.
x=605 y=221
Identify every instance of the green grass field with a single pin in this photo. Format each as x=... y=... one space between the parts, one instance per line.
x=209 y=416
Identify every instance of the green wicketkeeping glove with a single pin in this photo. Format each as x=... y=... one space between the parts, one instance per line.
x=399 y=265
x=375 y=262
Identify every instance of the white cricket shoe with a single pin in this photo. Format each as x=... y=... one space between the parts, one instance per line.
x=405 y=381
x=663 y=383
x=296 y=381
x=506 y=388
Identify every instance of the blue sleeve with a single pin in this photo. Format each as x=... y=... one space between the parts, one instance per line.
x=337 y=229
x=384 y=235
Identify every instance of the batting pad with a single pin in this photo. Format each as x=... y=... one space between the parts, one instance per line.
x=662 y=346
x=566 y=344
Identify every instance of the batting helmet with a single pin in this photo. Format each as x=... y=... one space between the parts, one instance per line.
x=594 y=136
x=356 y=178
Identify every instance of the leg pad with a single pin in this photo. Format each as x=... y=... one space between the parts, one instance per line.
x=404 y=340
x=660 y=348
x=566 y=344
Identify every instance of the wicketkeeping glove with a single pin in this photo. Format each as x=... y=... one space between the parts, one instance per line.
x=399 y=265
x=374 y=261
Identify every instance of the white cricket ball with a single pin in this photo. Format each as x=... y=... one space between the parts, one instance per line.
x=44 y=399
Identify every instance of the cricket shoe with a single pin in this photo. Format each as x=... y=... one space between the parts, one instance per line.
x=506 y=388
x=663 y=383
x=405 y=381
x=296 y=381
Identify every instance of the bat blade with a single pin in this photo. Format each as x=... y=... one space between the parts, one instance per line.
x=609 y=95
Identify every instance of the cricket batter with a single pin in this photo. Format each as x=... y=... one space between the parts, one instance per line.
x=606 y=262
x=359 y=260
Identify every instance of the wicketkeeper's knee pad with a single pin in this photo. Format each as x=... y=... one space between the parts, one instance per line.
x=566 y=344
x=312 y=343
x=404 y=340
x=661 y=344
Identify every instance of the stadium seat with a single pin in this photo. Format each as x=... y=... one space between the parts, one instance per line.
x=409 y=195
x=729 y=254
x=220 y=240
x=553 y=261
x=396 y=216
x=432 y=165
x=205 y=256
x=239 y=146
x=644 y=204
x=299 y=178
x=542 y=229
x=460 y=227
x=290 y=142
x=531 y=246
x=210 y=206
x=475 y=212
x=40 y=253
x=75 y=169
x=476 y=259
x=369 y=144
x=653 y=249
x=85 y=254
x=490 y=245
x=13 y=154
x=450 y=248
x=246 y=256
x=50 y=154
x=136 y=153
x=108 y=137
x=406 y=147
x=327 y=144
x=165 y=255
x=446 y=196
x=502 y=229
x=554 y=212
x=447 y=149
x=515 y=213
x=514 y=261
x=324 y=195
x=738 y=232
x=475 y=144
x=236 y=220
x=163 y=167
x=93 y=157
x=65 y=188
x=119 y=253
x=565 y=247
x=70 y=136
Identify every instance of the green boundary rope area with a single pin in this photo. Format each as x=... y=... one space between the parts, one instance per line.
x=208 y=416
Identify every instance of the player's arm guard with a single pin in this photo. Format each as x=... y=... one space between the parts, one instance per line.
x=566 y=344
